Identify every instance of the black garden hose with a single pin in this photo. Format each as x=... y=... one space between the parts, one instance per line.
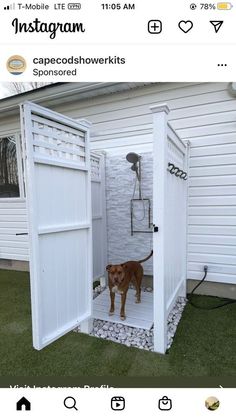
x=224 y=301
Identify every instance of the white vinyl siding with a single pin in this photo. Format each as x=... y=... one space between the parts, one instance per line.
x=13 y=219
x=212 y=208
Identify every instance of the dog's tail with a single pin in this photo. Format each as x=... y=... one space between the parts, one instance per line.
x=148 y=257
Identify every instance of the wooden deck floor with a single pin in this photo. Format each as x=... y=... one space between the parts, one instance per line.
x=137 y=315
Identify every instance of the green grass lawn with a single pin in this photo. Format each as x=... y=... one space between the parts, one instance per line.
x=205 y=344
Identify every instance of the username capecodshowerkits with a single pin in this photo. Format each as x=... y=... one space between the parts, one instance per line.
x=42 y=62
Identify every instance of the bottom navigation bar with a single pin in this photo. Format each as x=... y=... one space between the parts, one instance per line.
x=138 y=403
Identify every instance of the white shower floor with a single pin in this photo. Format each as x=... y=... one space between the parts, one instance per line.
x=137 y=315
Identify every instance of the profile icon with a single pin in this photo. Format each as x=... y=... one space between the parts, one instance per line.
x=16 y=65
x=212 y=403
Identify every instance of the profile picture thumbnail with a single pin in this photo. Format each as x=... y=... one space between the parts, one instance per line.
x=212 y=403
x=16 y=65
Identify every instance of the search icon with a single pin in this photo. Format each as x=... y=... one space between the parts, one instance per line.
x=70 y=403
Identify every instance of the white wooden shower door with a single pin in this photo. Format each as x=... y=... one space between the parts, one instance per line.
x=58 y=191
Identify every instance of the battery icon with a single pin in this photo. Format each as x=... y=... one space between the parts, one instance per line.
x=224 y=6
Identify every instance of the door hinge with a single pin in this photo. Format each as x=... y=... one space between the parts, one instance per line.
x=155 y=228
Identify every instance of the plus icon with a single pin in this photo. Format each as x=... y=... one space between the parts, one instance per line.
x=154 y=26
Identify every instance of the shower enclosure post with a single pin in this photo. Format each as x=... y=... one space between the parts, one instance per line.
x=160 y=151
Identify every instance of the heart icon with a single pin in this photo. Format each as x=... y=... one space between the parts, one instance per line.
x=185 y=25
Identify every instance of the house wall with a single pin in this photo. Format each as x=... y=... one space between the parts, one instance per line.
x=13 y=217
x=204 y=114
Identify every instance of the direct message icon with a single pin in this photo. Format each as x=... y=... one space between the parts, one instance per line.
x=217 y=24
x=165 y=403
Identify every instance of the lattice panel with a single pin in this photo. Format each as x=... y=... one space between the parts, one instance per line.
x=57 y=141
x=95 y=168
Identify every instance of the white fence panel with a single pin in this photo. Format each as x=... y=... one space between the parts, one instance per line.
x=57 y=160
x=98 y=214
x=176 y=221
x=170 y=221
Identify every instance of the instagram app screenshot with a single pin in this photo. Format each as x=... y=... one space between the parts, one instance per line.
x=117 y=209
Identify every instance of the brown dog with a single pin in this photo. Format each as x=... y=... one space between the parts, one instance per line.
x=119 y=278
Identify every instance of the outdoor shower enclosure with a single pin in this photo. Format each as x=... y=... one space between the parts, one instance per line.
x=63 y=244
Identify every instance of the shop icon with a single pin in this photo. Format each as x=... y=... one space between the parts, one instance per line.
x=165 y=403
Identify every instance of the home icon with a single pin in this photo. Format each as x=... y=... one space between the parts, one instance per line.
x=23 y=404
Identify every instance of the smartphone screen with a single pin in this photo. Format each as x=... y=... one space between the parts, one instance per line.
x=117 y=208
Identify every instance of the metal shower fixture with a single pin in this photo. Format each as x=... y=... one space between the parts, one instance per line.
x=135 y=159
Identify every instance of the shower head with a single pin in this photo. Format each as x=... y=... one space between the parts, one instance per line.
x=132 y=158
x=134 y=167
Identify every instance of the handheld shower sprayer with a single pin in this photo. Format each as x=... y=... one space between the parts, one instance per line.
x=135 y=159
